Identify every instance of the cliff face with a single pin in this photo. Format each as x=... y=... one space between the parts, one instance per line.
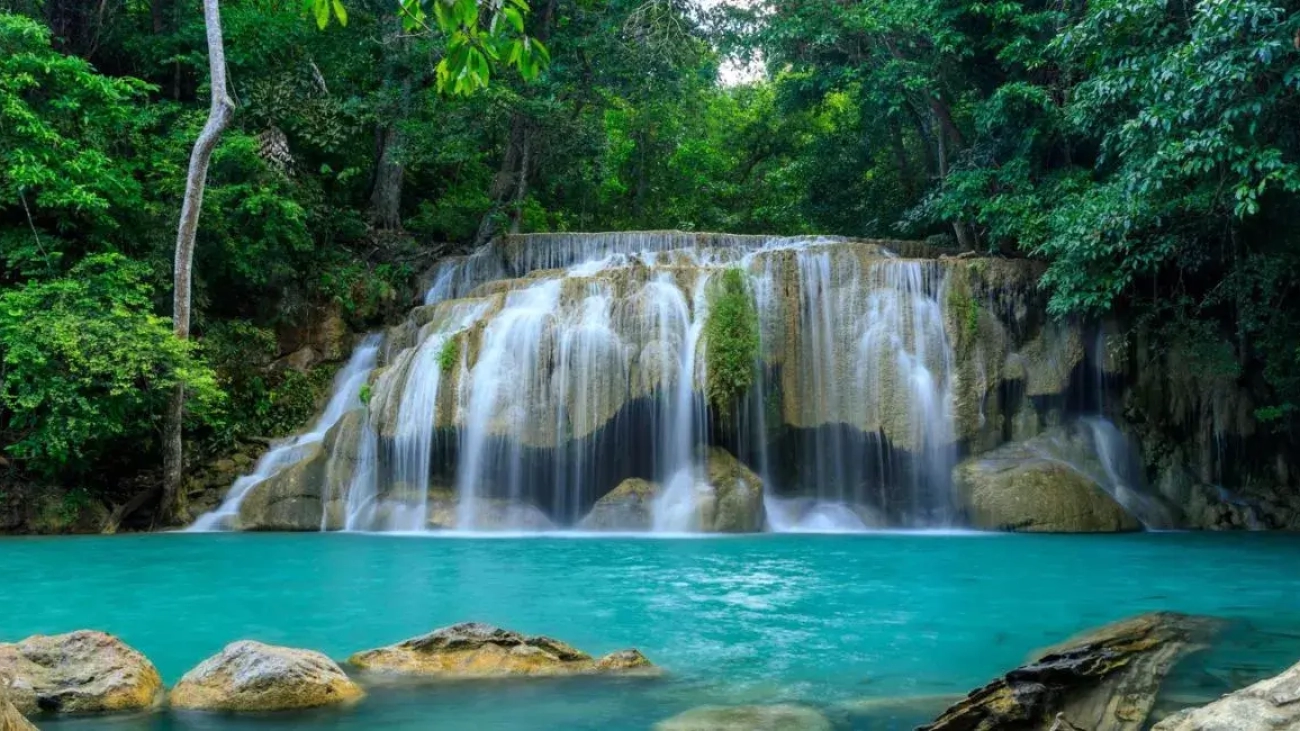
x=548 y=369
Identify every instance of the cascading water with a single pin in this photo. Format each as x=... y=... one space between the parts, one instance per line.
x=345 y=397
x=545 y=370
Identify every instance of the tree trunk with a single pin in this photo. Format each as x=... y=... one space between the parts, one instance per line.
x=386 y=198
x=505 y=181
x=174 y=507
x=386 y=195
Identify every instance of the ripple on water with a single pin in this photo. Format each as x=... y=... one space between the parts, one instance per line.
x=832 y=620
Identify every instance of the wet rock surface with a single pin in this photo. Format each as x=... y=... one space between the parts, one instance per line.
x=251 y=676
x=1269 y=705
x=476 y=650
x=79 y=672
x=630 y=506
x=747 y=718
x=1104 y=680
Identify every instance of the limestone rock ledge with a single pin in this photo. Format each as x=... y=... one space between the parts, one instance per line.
x=251 y=676
x=1269 y=705
x=1103 y=680
x=78 y=672
x=1023 y=487
x=476 y=650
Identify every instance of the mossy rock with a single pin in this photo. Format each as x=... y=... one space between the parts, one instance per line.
x=475 y=650
x=630 y=506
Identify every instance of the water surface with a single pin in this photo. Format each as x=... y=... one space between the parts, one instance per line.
x=827 y=620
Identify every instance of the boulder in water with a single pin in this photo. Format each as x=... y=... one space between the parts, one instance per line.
x=1024 y=487
x=476 y=650
x=1269 y=705
x=747 y=718
x=1104 y=680
x=289 y=500
x=251 y=676
x=78 y=672
x=490 y=514
x=737 y=492
x=10 y=718
x=630 y=506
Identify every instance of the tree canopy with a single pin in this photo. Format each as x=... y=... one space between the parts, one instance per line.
x=1146 y=150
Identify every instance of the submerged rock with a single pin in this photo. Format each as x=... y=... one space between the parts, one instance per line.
x=747 y=718
x=1104 y=680
x=251 y=676
x=1269 y=705
x=78 y=672
x=476 y=650
x=1025 y=487
x=490 y=514
x=630 y=506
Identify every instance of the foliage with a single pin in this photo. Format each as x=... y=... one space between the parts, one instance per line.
x=87 y=368
x=731 y=335
x=265 y=400
x=449 y=354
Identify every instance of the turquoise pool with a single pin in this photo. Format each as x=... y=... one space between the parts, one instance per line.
x=827 y=620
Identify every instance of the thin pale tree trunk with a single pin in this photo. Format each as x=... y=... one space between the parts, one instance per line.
x=174 y=507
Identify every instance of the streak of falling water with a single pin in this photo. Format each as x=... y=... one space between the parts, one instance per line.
x=681 y=325
x=508 y=376
x=344 y=398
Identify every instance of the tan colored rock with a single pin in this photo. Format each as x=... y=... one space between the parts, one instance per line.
x=1103 y=680
x=1036 y=496
x=251 y=676
x=1044 y=485
x=630 y=506
x=1269 y=705
x=738 y=494
x=78 y=672
x=289 y=500
x=475 y=650
x=747 y=718
x=11 y=719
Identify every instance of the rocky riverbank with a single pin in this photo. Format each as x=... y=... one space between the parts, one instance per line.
x=1106 y=679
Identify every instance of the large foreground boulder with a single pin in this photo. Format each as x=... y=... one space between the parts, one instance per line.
x=747 y=718
x=78 y=672
x=1104 y=680
x=630 y=506
x=1032 y=487
x=1269 y=705
x=475 y=650
x=10 y=718
x=251 y=676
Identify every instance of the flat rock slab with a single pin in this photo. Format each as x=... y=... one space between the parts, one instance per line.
x=78 y=672
x=747 y=718
x=475 y=650
x=251 y=676
x=1269 y=705
x=1104 y=680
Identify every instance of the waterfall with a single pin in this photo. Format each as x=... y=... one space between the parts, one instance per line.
x=344 y=398
x=543 y=370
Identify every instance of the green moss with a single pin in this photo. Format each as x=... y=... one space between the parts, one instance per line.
x=365 y=394
x=449 y=355
x=731 y=332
